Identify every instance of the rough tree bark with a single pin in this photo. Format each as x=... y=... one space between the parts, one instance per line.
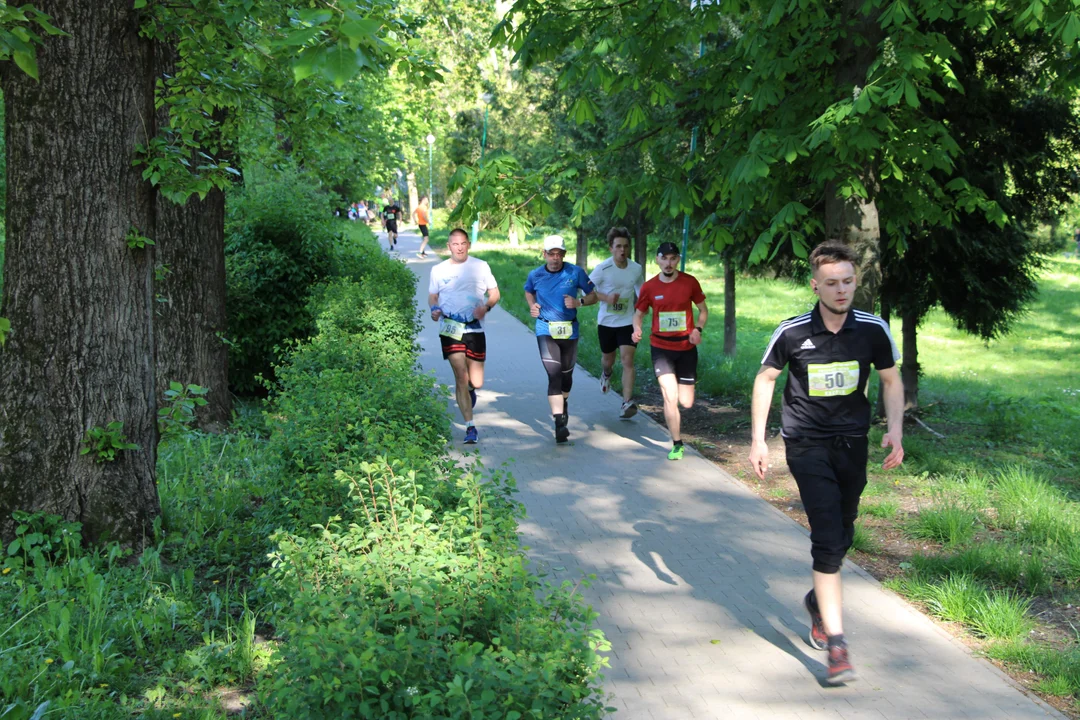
x=641 y=241
x=909 y=368
x=190 y=312
x=81 y=349
x=855 y=221
x=582 y=249
x=190 y=322
x=729 y=307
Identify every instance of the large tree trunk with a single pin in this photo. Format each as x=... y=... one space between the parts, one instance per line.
x=190 y=323
x=909 y=369
x=414 y=194
x=582 y=248
x=641 y=241
x=81 y=302
x=729 y=307
x=854 y=220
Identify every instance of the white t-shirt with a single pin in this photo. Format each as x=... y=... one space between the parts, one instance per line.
x=461 y=287
x=610 y=278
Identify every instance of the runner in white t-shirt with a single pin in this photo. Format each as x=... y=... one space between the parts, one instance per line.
x=618 y=281
x=456 y=295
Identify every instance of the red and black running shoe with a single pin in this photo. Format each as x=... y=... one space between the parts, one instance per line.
x=817 y=637
x=840 y=670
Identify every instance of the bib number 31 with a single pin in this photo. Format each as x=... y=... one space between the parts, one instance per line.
x=561 y=329
x=838 y=378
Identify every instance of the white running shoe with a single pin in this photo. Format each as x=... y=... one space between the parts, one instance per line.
x=629 y=409
x=605 y=382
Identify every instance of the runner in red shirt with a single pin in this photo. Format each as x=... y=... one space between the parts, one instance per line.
x=675 y=335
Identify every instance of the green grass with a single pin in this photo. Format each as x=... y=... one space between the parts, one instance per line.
x=882 y=509
x=949 y=525
x=1034 y=508
x=961 y=598
x=864 y=539
x=1060 y=670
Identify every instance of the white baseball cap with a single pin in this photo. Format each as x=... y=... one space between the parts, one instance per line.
x=554 y=242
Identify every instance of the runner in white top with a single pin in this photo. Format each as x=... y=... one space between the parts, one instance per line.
x=618 y=281
x=456 y=296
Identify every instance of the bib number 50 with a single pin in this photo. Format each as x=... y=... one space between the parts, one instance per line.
x=838 y=378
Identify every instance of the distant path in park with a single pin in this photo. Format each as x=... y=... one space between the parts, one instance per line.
x=699 y=582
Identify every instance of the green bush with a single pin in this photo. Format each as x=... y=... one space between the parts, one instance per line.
x=280 y=241
x=411 y=598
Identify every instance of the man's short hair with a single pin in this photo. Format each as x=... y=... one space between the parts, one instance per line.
x=617 y=232
x=458 y=231
x=832 y=251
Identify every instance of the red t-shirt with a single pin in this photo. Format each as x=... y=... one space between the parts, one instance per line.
x=672 y=305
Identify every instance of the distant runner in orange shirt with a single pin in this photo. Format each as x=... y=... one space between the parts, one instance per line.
x=421 y=215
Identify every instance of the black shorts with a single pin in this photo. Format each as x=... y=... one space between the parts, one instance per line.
x=391 y=226
x=612 y=338
x=680 y=363
x=423 y=230
x=831 y=475
x=473 y=344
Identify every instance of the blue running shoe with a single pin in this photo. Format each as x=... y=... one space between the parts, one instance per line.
x=471 y=436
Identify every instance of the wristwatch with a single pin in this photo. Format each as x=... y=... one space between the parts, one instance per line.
x=699 y=329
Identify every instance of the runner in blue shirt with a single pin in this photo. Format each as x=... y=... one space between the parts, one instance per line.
x=551 y=292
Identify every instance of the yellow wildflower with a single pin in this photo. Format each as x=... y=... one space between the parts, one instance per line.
x=6 y=571
x=48 y=661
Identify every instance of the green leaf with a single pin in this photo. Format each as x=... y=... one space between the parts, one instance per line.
x=361 y=29
x=911 y=95
x=210 y=32
x=27 y=63
x=139 y=4
x=5 y=328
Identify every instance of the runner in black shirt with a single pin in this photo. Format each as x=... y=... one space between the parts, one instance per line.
x=390 y=216
x=825 y=419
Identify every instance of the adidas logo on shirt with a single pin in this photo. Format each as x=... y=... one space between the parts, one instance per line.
x=807 y=345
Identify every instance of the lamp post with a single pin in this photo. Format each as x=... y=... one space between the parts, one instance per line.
x=430 y=181
x=486 y=97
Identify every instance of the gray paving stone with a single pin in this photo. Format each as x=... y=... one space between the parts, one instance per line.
x=684 y=555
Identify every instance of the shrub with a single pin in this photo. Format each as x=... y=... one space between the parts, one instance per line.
x=411 y=597
x=280 y=240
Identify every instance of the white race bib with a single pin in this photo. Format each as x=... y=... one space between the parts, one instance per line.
x=672 y=321
x=451 y=328
x=561 y=329
x=838 y=378
x=618 y=307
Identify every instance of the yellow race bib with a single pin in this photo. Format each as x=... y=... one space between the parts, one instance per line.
x=838 y=378
x=451 y=328
x=561 y=329
x=672 y=321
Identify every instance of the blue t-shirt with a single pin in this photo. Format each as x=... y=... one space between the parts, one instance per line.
x=549 y=289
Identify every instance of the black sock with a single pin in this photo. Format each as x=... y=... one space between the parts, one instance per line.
x=837 y=640
x=678 y=443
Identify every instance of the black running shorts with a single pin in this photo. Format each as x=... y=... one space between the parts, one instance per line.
x=612 y=338
x=680 y=363
x=473 y=344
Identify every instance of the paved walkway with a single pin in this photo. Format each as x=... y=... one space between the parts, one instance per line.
x=699 y=582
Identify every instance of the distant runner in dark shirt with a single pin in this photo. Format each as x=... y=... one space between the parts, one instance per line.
x=390 y=216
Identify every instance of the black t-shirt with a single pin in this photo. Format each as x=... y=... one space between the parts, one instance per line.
x=391 y=213
x=827 y=373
